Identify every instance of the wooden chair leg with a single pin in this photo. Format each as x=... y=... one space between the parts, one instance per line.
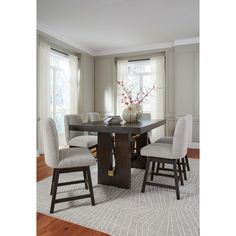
x=180 y=172
x=184 y=168
x=90 y=186
x=158 y=166
x=85 y=179
x=153 y=169
x=176 y=180
x=163 y=165
x=187 y=163
x=146 y=174
x=54 y=190
x=53 y=177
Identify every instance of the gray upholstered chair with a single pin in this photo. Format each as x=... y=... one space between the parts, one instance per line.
x=78 y=138
x=64 y=161
x=168 y=153
x=169 y=139
x=91 y=117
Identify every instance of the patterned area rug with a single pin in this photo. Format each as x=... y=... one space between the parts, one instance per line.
x=129 y=212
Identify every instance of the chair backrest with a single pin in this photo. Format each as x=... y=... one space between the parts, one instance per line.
x=190 y=129
x=72 y=120
x=93 y=116
x=145 y=116
x=181 y=138
x=51 y=145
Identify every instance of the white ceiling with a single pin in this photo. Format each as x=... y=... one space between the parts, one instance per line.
x=106 y=26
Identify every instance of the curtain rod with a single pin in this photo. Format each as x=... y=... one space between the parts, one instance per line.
x=59 y=51
x=147 y=59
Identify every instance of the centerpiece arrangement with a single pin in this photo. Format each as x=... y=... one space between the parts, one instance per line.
x=133 y=111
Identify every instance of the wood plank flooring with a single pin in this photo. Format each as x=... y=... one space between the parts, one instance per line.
x=50 y=226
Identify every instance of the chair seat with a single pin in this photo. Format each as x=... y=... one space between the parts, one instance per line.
x=84 y=141
x=75 y=157
x=166 y=139
x=161 y=150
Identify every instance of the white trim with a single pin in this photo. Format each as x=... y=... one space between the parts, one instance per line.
x=195 y=118
x=90 y=51
x=186 y=41
x=135 y=49
x=65 y=40
x=149 y=47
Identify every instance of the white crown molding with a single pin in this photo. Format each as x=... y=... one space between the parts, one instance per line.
x=135 y=49
x=90 y=51
x=149 y=47
x=180 y=42
x=76 y=45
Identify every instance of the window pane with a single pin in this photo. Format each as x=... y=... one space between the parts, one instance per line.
x=59 y=89
x=139 y=81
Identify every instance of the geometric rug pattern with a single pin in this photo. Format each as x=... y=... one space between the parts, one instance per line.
x=128 y=211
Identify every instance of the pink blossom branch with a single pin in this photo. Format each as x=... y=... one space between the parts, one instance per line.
x=153 y=87
x=126 y=92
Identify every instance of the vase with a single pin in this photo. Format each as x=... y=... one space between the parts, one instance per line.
x=132 y=113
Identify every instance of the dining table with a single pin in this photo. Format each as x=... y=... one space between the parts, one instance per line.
x=115 y=151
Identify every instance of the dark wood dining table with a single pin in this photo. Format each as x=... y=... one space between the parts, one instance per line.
x=117 y=171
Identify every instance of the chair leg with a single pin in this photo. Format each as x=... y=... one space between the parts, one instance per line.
x=180 y=172
x=187 y=163
x=90 y=186
x=184 y=168
x=176 y=180
x=54 y=190
x=85 y=179
x=163 y=165
x=53 y=177
x=153 y=169
x=146 y=174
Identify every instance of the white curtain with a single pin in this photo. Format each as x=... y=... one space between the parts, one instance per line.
x=158 y=100
x=122 y=75
x=73 y=60
x=43 y=78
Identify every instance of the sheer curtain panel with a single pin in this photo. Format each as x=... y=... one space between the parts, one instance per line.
x=43 y=78
x=74 y=89
x=158 y=99
x=122 y=75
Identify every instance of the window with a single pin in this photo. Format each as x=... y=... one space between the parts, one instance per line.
x=139 y=77
x=59 y=88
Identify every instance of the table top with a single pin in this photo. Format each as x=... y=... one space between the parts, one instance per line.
x=138 y=127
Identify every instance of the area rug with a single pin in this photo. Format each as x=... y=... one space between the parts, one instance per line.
x=129 y=212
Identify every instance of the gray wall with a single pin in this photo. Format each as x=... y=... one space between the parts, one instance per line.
x=187 y=84
x=87 y=76
x=182 y=85
x=105 y=80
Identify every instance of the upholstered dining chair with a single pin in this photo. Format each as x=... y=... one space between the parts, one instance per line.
x=168 y=153
x=65 y=161
x=78 y=138
x=169 y=139
x=94 y=116
x=91 y=117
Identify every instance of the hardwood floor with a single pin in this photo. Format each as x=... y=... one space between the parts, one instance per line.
x=50 y=226
x=194 y=153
